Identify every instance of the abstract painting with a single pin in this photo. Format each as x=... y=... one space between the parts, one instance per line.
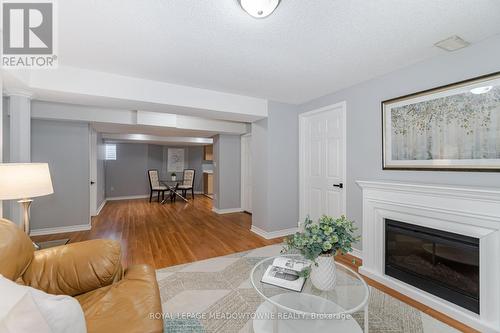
x=175 y=160
x=455 y=127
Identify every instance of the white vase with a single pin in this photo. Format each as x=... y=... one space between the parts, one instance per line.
x=324 y=275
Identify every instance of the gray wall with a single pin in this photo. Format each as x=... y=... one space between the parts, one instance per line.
x=260 y=213
x=65 y=146
x=275 y=169
x=195 y=161
x=127 y=176
x=227 y=171
x=283 y=176
x=364 y=127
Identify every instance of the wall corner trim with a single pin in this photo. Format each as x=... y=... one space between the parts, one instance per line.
x=58 y=230
x=273 y=234
x=227 y=210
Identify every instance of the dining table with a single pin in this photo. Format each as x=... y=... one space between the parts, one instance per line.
x=172 y=186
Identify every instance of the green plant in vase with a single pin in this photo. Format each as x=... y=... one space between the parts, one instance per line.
x=320 y=242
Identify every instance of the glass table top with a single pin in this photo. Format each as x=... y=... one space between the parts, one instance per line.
x=171 y=182
x=349 y=295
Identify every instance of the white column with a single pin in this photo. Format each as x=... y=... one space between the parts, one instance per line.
x=20 y=137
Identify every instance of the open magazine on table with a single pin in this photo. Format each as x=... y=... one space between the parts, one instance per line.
x=284 y=273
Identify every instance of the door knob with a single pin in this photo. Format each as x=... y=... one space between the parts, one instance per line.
x=339 y=185
x=92 y=182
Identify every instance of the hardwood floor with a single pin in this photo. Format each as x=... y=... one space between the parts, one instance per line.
x=169 y=234
x=172 y=234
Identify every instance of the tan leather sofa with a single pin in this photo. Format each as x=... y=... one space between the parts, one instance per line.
x=112 y=300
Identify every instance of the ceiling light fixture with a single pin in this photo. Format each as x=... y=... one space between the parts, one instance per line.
x=481 y=90
x=259 y=8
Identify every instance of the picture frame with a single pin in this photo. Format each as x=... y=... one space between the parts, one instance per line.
x=455 y=127
x=175 y=160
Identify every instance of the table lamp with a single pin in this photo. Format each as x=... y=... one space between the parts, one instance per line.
x=24 y=181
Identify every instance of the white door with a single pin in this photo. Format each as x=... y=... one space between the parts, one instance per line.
x=246 y=173
x=93 y=172
x=322 y=162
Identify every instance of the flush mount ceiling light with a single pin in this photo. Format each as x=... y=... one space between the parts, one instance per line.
x=481 y=90
x=259 y=8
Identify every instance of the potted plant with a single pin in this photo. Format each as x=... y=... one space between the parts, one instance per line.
x=173 y=176
x=321 y=242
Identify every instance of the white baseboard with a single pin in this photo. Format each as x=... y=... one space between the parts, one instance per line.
x=227 y=210
x=58 y=230
x=128 y=197
x=101 y=207
x=273 y=234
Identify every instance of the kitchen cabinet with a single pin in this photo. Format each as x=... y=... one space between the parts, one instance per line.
x=208 y=153
x=208 y=183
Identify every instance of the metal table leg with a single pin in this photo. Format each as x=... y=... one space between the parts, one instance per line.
x=175 y=193
x=367 y=324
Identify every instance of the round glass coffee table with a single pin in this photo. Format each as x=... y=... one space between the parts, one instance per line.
x=311 y=310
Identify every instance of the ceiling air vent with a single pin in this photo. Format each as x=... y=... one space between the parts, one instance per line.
x=452 y=43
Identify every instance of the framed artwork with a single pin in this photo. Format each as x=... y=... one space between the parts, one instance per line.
x=454 y=127
x=175 y=160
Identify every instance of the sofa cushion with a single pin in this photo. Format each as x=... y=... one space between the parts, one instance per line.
x=75 y=268
x=125 y=306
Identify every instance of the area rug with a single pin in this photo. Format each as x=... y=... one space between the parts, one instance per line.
x=197 y=298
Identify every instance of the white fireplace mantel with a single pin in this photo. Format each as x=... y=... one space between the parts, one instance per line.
x=471 y=211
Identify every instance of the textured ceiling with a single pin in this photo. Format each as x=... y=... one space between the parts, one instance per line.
x=304 y=50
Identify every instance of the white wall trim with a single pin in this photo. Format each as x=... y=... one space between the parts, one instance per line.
x=58 y=230
x=226 y=210
x=101 y=206
x=245 y=155
x=302 y=120
x=128 y=197
x=93 y=171
x=357 y=253
x=273 y=234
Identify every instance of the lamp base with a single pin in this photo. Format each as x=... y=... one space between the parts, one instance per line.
x=26 y=203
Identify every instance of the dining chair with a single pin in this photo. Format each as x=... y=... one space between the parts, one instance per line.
x=154 y=185
x=187 y=182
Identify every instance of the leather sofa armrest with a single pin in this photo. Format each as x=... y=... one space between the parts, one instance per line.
x=131 y=305
x=76 y=268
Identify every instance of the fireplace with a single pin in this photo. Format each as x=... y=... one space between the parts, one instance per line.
x=442 y=263
x=431 y=219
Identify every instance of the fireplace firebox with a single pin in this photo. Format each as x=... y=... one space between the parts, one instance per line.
x=442 y=263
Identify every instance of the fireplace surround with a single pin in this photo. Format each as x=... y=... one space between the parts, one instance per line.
x=470 y=214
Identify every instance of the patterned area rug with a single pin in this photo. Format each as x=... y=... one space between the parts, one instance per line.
x=204 y=296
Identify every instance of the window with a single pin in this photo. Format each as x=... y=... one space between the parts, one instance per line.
x=110 y=152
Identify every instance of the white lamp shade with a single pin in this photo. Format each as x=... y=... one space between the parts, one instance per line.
x=24 y=180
